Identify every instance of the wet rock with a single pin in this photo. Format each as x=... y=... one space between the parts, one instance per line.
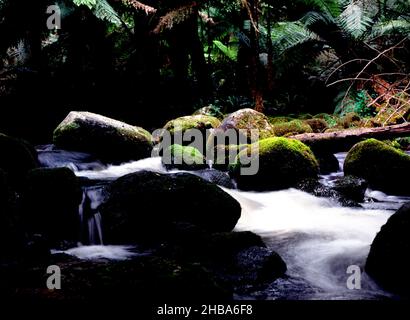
x=282 y=163
x=383 y=166
x=146 y=204
x=217 y=177
x=183 y=158
x=388 y=261
x=109 y=139
x=248 y=119
x=328 y=162
x=351 y=188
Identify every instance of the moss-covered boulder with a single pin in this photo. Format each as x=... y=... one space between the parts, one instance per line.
x=282 y=164
x=17 y=157
x=291 y=128
x=225 y=155
x=389 y=258
x=145 y=205
x=199 y=121
x=384 y=167
x=51 y=201
x=247 y=120
x=183 y=158
x=109 y=139
x=277 y=120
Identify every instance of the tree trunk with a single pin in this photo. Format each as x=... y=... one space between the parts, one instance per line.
x=256 y=91
x=344 y=140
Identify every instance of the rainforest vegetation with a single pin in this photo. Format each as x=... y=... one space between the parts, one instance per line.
x=88 y=188
x=148 y=62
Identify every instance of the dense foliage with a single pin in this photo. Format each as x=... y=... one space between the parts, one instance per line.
x=134 y=60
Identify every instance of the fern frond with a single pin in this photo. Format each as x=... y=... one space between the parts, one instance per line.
x=175 y=16
x=287 y=35
x=89 y=3
x=389 y=27
x=104 y=11
x=231 y=53
x=355 y=20
x=140 y=6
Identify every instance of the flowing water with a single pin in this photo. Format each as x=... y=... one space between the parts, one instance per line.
x=317 y=238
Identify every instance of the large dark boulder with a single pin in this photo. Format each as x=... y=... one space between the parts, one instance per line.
x=109 y=139
x=384 y=167
x=283 y=163
x=17 y=157
x=389 y=258
x=146 y=204
x=51 y=202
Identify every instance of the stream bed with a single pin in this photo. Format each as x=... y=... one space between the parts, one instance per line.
x=317 y=237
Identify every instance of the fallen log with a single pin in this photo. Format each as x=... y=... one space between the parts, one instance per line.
x=343 y=140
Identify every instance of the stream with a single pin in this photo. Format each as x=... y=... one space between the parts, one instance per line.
x=317 y=237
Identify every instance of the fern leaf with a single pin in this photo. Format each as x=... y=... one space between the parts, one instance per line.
x=140 y=6
x=287 y=35
x=354 y=19
x=174 y=17
x=231 y=53
x=389 y=27
x=89 y=3
x=104 y=11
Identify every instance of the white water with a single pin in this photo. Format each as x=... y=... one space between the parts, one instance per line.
x=317 y=238
x=115 y=171
x=102 y=252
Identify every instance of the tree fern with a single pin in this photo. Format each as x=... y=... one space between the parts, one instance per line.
x=89 y=3
x=101 y=9
x=231 y=53
x=140 y=6
x=104 y=11
x=175 y=16
x=390 y=27
x=355 y=20
x=287 y=35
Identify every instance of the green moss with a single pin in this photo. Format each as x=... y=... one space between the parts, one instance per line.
x=282 y=164
x=330 y=119
x=184 y=158
x=276 y=120
x=383 y=166
x=317 y=125
x=350 y=120
x=247 y=120
x=200 y=122
x=109 y=139
x=291 y=128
